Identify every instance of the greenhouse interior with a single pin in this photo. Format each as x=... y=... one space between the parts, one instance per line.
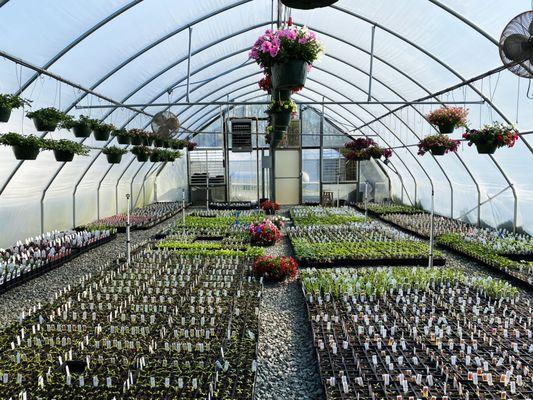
x=266 y=199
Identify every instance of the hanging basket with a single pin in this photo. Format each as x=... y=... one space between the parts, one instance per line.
x=281 y=94
x=281 y=120
x=446 y=128
x=155 y=157
x=142 y=157
x=159 y=142
x=375 y=156
x=148 y=141
x=177 y=146
x=82 y=130
x=308 y=4
x=289 y=75
x=277 y=138
x=114 y=158
x=486 y=148
x=63 y=156
x=43 y=126
x=101 y=135
x=25 y=153
x=123 y=139
x=438 y=150
x=136 y=141
x=5 y=113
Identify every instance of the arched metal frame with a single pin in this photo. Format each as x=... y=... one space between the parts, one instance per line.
x=448 y=10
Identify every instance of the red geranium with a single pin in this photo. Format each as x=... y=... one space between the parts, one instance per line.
x=269 y=205
x=275 y=269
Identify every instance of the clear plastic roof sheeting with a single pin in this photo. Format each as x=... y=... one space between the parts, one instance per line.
x=136 y=51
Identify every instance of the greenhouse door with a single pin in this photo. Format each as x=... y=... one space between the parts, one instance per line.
x=287 y=170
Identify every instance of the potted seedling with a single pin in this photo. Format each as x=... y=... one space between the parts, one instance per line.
x=114 y=154
x=122 y=135
x=82 y=127
x=491 y=137
x=142 y=153
x=7 y=103
x=64 y=150
x=102 y=131
x=47 y=119
x=24 y=147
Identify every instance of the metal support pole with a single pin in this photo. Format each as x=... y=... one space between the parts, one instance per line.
x=128 y=239
x=338 y=182
x=207 y=181
x=262 y=174
x=183 y=206
x=189 y=64
x=370 y=75
x=432 y=228
x=257 y=159
x=321 y=156
x=366 y=201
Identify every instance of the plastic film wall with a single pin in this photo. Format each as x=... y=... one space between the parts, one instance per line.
x=137 y=52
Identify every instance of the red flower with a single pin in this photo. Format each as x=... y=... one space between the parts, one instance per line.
x=500 y=138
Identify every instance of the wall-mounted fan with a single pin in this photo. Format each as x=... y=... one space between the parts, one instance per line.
x=516 y=45
x=164 y=124
x=307 y=4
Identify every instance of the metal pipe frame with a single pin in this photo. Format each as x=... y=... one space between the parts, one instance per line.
x=399 y=36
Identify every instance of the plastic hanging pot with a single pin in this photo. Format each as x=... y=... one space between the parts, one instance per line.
x=63 y=156
x=114 y=158
x=375 y=156
x=101 y=134
x=43 y=126
x=159 y=142
x=446 y=128
x=308 y=4
x=136 y=140
x=123 y=139
x=176 y=146
x=289 y=75
x=281 y=94
x=25 y=152
x=438 y=150
x=142 y=157
x=155 y=157
x=486 y=148
x=5 y=113
x=277 y=137
x=281 y=120
x=148 y=141
x=82 y=130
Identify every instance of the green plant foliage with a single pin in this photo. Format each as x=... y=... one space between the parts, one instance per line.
x=12 y=101
x=141 y=150
x=67 y=146
x=324 y=216
x=114 y=150
x=49 y=116
x=15 y=139
x=382 y=208
x=70 y=123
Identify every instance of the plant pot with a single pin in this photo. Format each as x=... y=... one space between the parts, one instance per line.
x=375 y=156
x=142 y=157
x=270 y=211
x=289 y=75
x=101 y=135
x=137 y=141
x=42 y=126
x=281 y=94
x=5 y=113
x=63 y=156
x=177 y=147
x=123 y=139
x=281 y=120
x=277 y=137
x=446 y=128
x=82 y=130
x=438 y=150
x=486 y=148
x=114 y=158
x=159 y=142
x=25 y=153
x=307 y=4
x=148 y=141
x=154 y=157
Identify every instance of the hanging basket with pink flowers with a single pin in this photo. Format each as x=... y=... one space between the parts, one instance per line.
x=437 y=145
x=448 y=118
x=286 y=55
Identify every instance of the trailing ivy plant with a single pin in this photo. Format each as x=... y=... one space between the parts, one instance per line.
x=12 y=101
x=70 y=123
x=49 y=116
x=15 y=139
x=114 y=150
x=68 y=146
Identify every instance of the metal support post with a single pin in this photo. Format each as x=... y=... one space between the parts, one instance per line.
x=432 y=229
x=189 y=63
x=366 y=201
x=128 y=239
x=370 y=74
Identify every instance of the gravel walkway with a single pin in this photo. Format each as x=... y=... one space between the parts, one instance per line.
x=287 y=364
x=42 y=289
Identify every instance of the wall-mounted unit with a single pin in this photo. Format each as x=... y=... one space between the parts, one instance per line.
x=241 y=135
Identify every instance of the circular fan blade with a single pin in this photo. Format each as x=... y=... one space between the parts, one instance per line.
x=515 y=47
